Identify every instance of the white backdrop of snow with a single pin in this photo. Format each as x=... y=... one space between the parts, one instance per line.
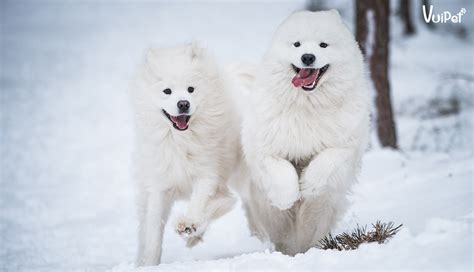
x=66 y=197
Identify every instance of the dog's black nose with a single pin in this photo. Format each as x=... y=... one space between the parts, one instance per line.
x=308 y=59
x=183 y=106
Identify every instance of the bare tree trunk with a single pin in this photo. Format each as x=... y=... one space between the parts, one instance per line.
x=361 y=25
x=315 y=5
x=405 y=15
x=372 y=33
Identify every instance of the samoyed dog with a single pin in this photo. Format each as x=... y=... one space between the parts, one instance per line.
x=304 y=131
x=187 y=143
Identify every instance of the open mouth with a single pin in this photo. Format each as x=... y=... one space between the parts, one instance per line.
x=179 y=122
x=308 y=78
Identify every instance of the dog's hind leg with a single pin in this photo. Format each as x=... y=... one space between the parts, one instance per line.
x=324 y=185
x=317 y=217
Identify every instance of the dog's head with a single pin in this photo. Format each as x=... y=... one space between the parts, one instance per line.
x=177 y=80
x=313 y=47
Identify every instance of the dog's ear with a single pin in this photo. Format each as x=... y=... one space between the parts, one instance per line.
x=151 y=55
x=150 y=63
x=195 y=51
x=335 y=14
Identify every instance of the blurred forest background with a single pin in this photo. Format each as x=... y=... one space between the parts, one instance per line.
x=66 y=133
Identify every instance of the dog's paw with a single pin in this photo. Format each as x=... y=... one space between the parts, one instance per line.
x=311 y=188
x=283 y=198
x=186 y=229
x=284 y=190
x=312 y=183
x=189 y=228
x=190 y=231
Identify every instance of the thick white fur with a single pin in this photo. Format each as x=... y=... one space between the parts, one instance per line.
x=323 y=132
x=171 y=164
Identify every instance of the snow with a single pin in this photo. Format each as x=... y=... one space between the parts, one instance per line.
x=66 y=197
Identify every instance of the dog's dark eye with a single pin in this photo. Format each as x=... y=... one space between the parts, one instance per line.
x=167 y=91
x=297 y=44
x=190 y=89
x=323 y=45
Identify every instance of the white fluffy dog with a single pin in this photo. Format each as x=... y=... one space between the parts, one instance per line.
x=304 y=131
x=187 y=143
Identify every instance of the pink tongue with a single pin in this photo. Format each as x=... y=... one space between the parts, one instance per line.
x=305 y=77
x=180 y=121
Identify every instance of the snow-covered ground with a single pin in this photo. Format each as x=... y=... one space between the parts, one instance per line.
x=66 y=139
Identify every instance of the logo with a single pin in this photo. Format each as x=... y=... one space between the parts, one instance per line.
x=444 y=17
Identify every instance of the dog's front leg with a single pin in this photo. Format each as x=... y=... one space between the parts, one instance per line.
x=278 y=178
x=331 y=168
x=192 y=225
x=157 y=212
